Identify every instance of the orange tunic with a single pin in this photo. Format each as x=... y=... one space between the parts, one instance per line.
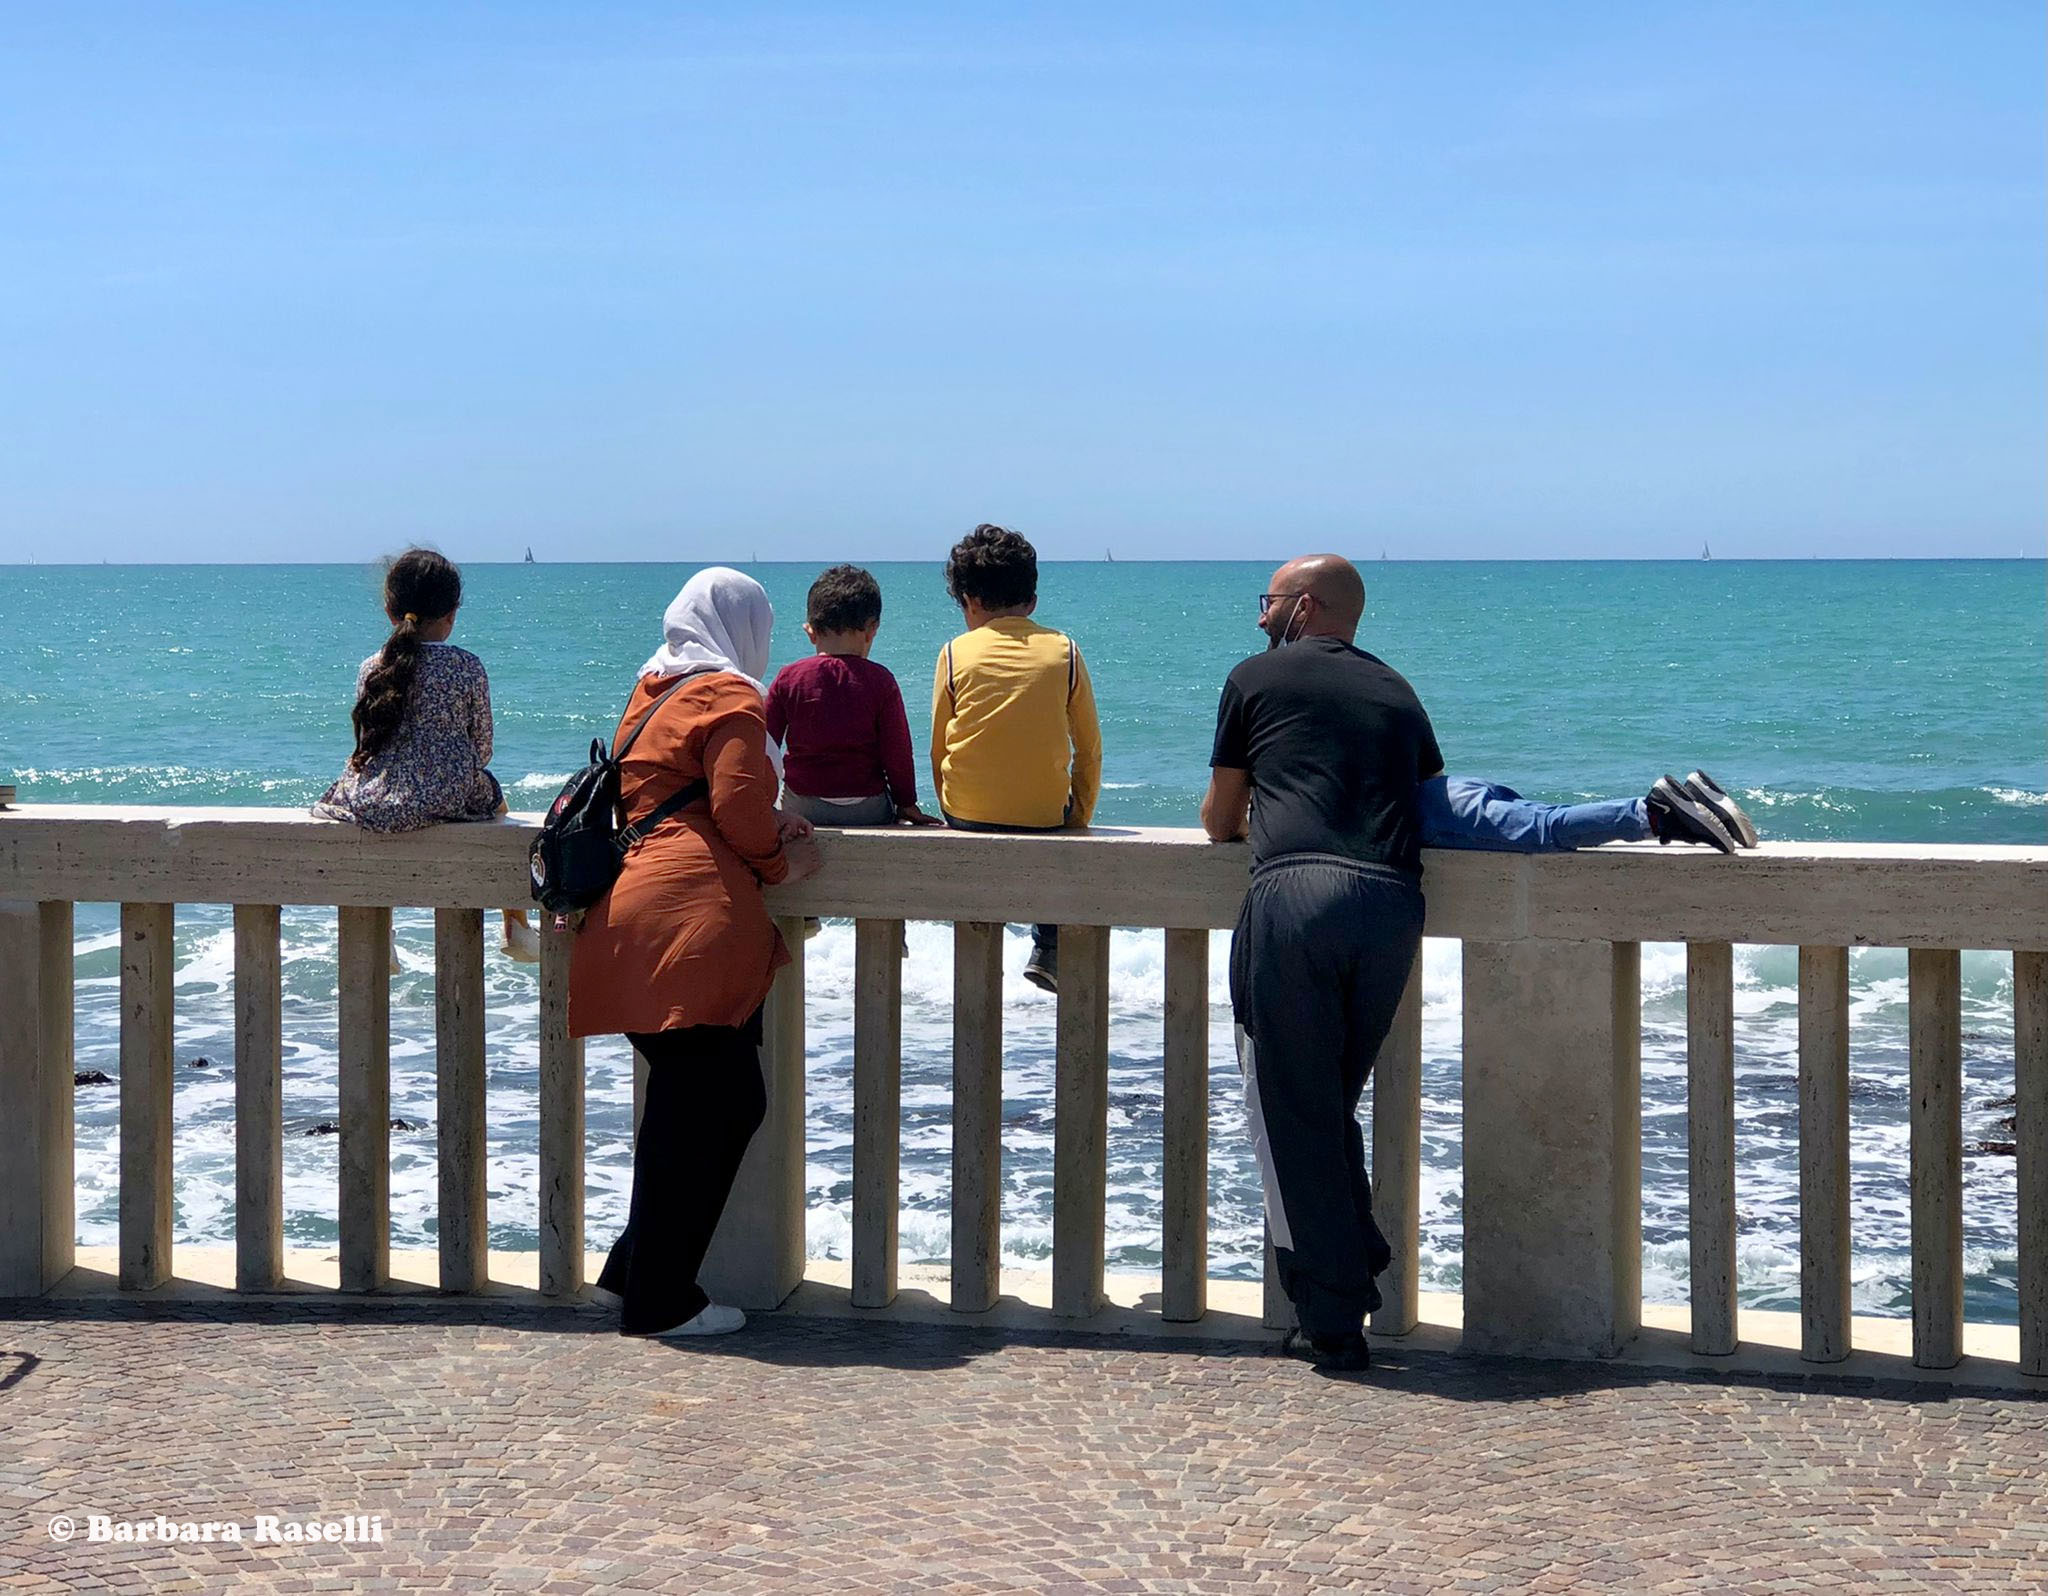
x=683 y=937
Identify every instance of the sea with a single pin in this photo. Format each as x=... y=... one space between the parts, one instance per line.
x=1894 y=701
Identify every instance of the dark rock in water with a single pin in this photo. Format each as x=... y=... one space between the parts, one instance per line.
x=91 y=1078
x=1996 y=1149
x=202 y=1064
x=327 y=1127
x=2009 y=1123
x=2003 y=1102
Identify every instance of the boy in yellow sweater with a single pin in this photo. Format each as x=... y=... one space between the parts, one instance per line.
x=1015 y=743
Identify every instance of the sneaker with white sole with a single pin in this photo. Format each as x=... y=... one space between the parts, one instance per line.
x=1042 y=969
x=1677 y=816
x=716 y=1319
x=1724 y=809
x=520 y=943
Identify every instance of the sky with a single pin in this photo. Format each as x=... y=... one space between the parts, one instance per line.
x=676 y=283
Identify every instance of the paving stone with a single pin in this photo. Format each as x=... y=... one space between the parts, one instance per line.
x=511 y=1448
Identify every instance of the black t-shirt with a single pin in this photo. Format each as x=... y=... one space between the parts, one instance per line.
x=1336 y=742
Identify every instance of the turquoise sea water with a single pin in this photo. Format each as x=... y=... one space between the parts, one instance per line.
x=1898 y=701
x=1893 y=699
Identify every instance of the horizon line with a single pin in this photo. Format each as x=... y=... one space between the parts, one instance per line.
x=1605 y=559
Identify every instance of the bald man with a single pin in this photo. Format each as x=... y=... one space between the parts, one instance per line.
x=1335 y=745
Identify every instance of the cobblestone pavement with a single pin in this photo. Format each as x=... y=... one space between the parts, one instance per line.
x=532 y=1449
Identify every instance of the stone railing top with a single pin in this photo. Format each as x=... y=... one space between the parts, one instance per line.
x=1894 y=895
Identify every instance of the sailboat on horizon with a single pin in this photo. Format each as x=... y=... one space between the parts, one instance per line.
x=1705 y=552
x=529 y=554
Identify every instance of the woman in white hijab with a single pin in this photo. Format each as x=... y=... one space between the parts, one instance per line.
x=680 y=954
x=720 y=621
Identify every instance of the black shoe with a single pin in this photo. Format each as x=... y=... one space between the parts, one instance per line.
x=1042 y=969
x=1344 y=1354
x=1724 y=809
x=1677 y=816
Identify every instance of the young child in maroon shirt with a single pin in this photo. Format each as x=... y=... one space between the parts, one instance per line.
x=839 y=716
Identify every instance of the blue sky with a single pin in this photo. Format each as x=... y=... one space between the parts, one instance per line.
x=655 y=282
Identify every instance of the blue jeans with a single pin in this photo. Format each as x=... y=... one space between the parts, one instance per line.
x=1458 y=812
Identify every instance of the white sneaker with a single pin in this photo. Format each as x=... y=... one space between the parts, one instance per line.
x=604 y=1298
x=716 y=1320
x=521 y=943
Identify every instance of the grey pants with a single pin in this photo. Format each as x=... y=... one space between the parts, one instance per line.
x=875 y=811
x=1317 y=966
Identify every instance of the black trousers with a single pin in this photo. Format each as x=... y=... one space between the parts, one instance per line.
x=1317 y=966
x=705 y=1100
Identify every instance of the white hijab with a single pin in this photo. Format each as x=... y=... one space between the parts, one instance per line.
x=719 y=622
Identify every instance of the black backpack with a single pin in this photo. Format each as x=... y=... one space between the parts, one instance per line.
x=583 y=842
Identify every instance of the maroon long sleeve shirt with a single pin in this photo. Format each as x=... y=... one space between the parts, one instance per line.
x=843 y=731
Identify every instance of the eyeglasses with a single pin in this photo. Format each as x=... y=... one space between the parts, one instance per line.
x=1268 y=600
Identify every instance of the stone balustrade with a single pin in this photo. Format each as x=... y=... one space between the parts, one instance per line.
x=1551 y=1067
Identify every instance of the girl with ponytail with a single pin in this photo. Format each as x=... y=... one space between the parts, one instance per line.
x=422 y=721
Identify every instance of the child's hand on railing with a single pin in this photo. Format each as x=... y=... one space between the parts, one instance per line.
x=911 y=815
x=791 y=827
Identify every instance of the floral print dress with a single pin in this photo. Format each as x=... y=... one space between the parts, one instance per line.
x=434 y=769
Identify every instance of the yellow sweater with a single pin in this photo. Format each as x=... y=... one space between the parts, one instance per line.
x=1014 y=736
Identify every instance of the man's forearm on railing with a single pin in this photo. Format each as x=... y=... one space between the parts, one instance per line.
x=1226 y=806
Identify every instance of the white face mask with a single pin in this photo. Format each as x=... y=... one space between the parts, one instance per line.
x=1288 y=634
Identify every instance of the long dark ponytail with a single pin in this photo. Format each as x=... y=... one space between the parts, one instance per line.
x=420 y=587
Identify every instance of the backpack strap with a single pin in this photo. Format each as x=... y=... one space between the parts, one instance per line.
x=1073 y=666
x=952 y=697
x=690 y=793
x=619 y=750
x=628 y=835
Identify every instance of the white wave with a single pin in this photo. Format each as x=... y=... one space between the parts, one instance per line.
x=166 y=777
x=1770 y=798
x=209 y=963
x=1765 y=1269
x=2018 y=796
x=540 y=781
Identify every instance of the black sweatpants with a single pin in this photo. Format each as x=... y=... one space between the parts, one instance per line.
x=1317 y=966
x=705 y=1100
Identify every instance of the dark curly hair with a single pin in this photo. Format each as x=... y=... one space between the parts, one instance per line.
x=993 y=566
x=844 y=599
x=420 y=587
